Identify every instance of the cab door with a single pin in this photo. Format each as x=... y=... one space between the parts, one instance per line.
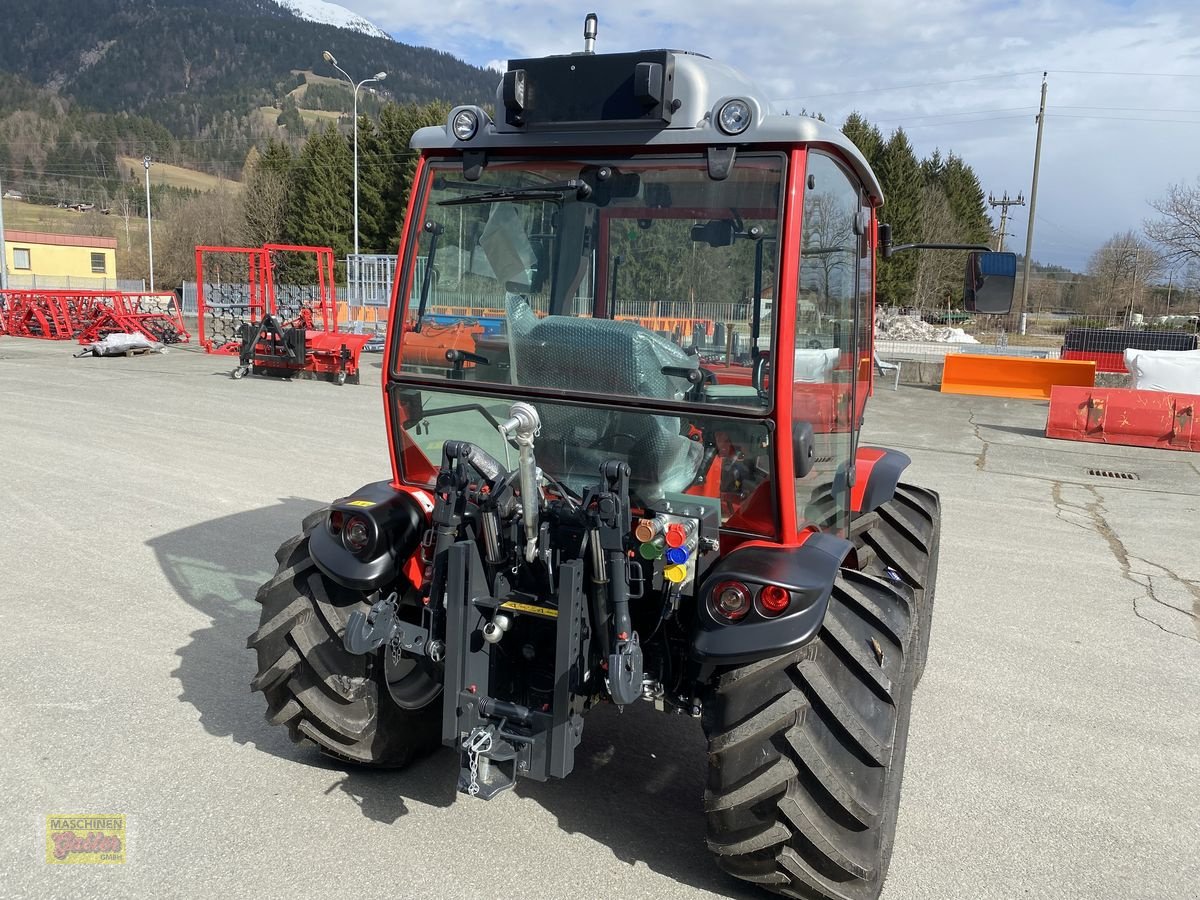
x=826 y=372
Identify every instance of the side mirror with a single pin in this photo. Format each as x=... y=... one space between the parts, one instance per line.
x=804 y=456
x=990 y=282
x=715 y=233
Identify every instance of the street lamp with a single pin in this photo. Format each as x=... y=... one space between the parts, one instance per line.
x=149 y=220
x=378 y=76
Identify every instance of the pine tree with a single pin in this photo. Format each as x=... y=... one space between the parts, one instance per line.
x=375 y=171
x=967 y=201
x=865 y=136
x=933 y=168
x=397 y=124
x=319 y=210
x=265 y=196
x=900 y=174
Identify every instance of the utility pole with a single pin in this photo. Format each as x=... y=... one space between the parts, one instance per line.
x=1004 y=203
x=149 y=222
x=1037 y=162
x=1133 y=288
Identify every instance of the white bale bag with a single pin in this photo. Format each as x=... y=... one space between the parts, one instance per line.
x=1177 y=371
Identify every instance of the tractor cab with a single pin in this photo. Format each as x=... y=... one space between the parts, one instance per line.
x=676 y=277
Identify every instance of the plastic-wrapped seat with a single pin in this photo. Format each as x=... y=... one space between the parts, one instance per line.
x=612 y=359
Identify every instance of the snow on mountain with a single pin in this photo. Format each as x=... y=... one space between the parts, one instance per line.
x=332 y=14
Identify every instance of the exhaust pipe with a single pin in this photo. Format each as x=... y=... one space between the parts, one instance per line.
x=590 y=25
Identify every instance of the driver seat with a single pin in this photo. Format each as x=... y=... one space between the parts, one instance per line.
x=611 y=359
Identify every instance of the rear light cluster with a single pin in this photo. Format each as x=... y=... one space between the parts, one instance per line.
x=733 y=600
x=353 y=531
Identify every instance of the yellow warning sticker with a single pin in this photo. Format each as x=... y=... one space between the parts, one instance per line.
x=530 y=608
x=360 y=502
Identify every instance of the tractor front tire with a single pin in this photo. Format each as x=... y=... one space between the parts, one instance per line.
x=806 y=750
x=904 y=544
x=338 y=700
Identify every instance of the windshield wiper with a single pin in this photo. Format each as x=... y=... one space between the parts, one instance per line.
x=556 y=192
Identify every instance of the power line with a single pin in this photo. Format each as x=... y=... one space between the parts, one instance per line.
x=905 y=87
x=972 y=112
x=1125 y=74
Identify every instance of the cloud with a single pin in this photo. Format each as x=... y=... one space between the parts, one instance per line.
x=962 y=75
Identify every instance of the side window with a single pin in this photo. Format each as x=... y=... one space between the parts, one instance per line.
x=827 y=316
x=866 y=306
x=829 y=254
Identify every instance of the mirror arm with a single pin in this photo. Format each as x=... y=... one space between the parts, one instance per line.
x=888 y=249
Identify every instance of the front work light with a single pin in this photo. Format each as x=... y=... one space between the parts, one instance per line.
x=465 y=124
x=734 y=117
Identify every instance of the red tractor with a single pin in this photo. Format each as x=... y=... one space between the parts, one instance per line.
x=631 y=471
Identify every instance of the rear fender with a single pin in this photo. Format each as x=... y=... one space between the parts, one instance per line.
x=877 y=471
x=396 y=519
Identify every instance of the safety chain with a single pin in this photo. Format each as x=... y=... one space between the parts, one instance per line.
x=479 y=742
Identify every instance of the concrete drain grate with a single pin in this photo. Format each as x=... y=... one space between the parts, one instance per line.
x=1110 y=473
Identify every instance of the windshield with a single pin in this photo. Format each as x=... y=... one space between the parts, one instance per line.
x=719 y=460
x=639 y=278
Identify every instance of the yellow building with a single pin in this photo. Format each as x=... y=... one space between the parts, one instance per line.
x=40 y=259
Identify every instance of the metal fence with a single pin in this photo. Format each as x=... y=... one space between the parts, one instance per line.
x=74 y=282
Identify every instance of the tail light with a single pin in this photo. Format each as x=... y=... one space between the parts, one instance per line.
x=773 y=599
x=356 y=534
x=731 y=600
x=336 y=520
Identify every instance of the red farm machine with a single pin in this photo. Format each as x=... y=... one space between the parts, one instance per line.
x=275 y=308
x=90 y=316
x=583 y=510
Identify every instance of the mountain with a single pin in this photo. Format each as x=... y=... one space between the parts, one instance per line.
x=332 y=14
x=187 y=65
x=86 y=85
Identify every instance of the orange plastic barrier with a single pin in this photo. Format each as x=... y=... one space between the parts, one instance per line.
x=428 y=346
x=1019 y=377
x=1124 y=416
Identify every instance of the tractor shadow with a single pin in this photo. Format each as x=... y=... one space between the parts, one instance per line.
x=216 y=567
x=638 y=784
x=638 y=789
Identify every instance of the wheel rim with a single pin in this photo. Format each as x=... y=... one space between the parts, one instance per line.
x=410 y=683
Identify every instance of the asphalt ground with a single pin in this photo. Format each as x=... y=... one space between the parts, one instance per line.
x=1055 y=743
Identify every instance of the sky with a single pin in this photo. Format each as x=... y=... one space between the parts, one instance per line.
x=1123 y=82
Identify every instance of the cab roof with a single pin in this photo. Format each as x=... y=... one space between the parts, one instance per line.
x=651 y=98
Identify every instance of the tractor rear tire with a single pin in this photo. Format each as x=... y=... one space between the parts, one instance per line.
x=905 y=542
x=806 y=750
x=338 y=700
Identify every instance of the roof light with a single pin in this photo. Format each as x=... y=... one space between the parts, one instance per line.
x=734 y=117
x=465 y=124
